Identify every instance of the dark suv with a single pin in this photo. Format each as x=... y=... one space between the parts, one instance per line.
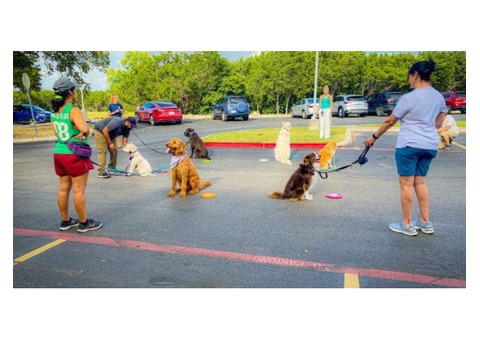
x=231 y=107
x=383 y=103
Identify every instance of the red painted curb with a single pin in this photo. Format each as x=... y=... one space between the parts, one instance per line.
x=252 y=258
x=262 y=145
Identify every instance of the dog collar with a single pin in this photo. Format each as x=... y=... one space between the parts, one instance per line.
x=176 y=160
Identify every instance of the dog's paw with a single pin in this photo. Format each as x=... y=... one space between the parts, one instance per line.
x=171 y=194
x=192 y=192
x=309 y=197
x=182 y=194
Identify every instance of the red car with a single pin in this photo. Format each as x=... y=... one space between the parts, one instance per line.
x=156 y=112
x=456 y=101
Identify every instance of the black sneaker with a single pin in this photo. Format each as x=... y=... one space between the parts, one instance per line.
x=89 y=225
x=104 y=175
x=71 y=223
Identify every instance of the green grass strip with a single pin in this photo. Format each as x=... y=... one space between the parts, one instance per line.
x=270 y=135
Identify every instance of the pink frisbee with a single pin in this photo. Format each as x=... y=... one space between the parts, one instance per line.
x=334 y=196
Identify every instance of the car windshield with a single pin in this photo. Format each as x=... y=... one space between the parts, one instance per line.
x=165 y=104
x=446 y=95
x=235 y=100
x=310 y=101
x=355 y=98
x=462 y=94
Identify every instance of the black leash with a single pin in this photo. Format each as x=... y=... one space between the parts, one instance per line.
x=148 y=146
x=362 y=159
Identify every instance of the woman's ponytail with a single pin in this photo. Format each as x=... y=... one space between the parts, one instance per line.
x=59 y=101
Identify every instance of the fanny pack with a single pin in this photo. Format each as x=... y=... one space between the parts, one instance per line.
x=79 y=149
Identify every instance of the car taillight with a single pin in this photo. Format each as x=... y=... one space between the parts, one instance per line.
x=365 y=102
x=389 y=101
x=228 y=104
x=310 y=106
x=347 y=103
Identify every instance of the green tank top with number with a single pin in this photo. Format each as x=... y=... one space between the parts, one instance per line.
x=65 y=130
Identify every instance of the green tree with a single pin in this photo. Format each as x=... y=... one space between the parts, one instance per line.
x=74 y=64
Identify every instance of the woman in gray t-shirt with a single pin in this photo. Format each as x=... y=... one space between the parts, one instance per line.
x=420 y=113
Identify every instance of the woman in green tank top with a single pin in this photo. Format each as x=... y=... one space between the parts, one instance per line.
x=69 y=126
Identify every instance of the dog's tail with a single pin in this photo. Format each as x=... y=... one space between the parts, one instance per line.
x=206 y=184
x=276 y=195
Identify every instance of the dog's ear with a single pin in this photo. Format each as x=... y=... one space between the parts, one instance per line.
x=180 y=148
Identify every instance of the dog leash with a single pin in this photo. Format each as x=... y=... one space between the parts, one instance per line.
x=362 y=159
x=148 y=146
x=137 y=173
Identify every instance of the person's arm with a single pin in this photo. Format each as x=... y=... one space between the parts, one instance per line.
x=446 y=128
x=76 y=117
x=331 y=106
x=386 y=125
x=439 y=121
x=125 y=141
x=106 y=134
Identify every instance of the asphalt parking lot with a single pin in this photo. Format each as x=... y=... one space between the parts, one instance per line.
x=240 y=238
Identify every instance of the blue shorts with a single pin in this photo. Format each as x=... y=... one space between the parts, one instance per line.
x=414 y=161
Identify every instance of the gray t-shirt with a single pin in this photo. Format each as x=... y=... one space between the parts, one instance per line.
x=417 y=112
x=115 y=127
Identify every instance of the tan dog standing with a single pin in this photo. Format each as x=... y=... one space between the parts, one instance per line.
x=183 y=170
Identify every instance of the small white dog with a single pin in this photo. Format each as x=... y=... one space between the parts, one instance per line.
x=282 y=149
x=137 y=162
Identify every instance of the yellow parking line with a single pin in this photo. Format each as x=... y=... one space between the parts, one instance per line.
x=351 y=281
x=37 y=251
x=460 y=145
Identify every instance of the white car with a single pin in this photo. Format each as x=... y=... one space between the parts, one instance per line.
x=303 y=108
x=344 y=105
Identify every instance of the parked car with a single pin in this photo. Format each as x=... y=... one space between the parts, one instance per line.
x=156 y=112
x=22 y=114
x=383 y=103
x=304 y=108
x=456 y=101
x=230 y=107
x=344 y=105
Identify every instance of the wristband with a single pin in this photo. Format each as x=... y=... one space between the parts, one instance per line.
x=110 y=143
x=375 y=137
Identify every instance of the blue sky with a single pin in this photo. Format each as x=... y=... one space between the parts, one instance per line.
x=98 y=80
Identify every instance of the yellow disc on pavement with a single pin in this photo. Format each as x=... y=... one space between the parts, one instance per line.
x=208 y=195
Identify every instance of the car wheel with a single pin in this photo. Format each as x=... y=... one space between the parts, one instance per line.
x=152 y=120
x=380 y=111
x=449 y=108
x=304 y=114
x=30 y=121
x=363 y=114
x=213 y=116
x=341 y=113
x=291 y=114
x=224 y=116
x=137 y=118
x=245 y=117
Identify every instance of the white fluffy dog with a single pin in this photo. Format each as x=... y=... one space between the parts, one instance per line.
x=137 y=162
x=282 y=148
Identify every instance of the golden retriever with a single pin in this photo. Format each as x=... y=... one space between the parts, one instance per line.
x=184 y=172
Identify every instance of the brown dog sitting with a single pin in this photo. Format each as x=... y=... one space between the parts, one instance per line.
x=300 y=181
x=197 y=144
x=183 y=170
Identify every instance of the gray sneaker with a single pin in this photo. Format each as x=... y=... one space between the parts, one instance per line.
x=425 y=227
x=403 y=229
